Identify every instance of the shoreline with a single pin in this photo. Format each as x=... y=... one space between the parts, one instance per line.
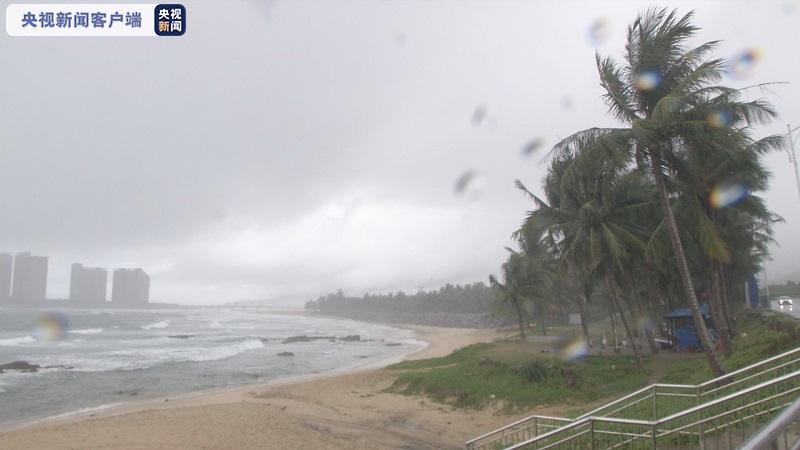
x=439 y=342
x=185 y=398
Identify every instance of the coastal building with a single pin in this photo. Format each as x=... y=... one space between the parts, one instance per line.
x=130 y=288
x=6 y=266
x=88 y=284
x=30 y=277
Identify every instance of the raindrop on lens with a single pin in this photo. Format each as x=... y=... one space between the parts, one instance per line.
x=598 y=32
x=720 y=119
x=726 y=194
x=647 y=80
x=51 y=327
x=532 y=147
x=743 y=64
x=478 y=115
x=575 y=351
x=470 y=184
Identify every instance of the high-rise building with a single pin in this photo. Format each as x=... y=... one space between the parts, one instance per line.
x=88 y=284
x=30 y=277
x=131 y=288
x=6 y=265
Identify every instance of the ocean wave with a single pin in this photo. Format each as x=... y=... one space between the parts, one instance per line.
x=136 y=359
x=87 y=331
x=11 y=342
x=161 y=324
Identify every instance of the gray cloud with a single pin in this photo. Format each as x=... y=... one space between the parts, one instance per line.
x=315 y=145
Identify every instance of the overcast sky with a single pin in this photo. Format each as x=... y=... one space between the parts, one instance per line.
x=283 y=150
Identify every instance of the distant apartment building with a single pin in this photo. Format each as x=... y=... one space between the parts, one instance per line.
x=30 y=277
x=88 y=284
x=130 y=288
x=6 y=266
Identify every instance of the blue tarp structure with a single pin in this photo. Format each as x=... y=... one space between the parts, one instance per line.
x=752 y=292
x=686 y=312
x=684 y=334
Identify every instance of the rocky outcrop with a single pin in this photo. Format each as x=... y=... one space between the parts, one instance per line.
x=304 y=338
x=21 y=366
x=285 y=354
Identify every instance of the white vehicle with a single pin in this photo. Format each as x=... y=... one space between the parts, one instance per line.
x=785 y=303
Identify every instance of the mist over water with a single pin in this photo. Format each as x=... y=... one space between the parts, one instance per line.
x=108 y=357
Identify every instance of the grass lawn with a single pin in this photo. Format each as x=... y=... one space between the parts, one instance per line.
x=519 y=375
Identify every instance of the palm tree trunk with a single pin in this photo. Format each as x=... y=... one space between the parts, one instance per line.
x=613 y=299
x=584 y=324
x=518 y=309
x=725 y=300
x=718 y=313
x=542 y=316
x=683 y=267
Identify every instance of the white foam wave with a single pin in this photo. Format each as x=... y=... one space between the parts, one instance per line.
x=161 y=324
x=11 y=342
x=87 y=331
x=81 y=412
x=148 y=357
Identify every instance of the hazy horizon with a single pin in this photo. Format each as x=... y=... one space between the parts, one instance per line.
x=316 y=146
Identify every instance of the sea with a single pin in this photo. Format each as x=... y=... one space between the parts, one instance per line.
x=95 y=359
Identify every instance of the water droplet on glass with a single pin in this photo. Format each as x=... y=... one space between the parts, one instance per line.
x=647 y=80
x=727 y=194
x=598 y=32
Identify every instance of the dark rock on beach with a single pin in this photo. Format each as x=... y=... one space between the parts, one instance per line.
x=180 y=336
x=351 y=338
x=304 y=338
x=285 y=354
x=22 y=366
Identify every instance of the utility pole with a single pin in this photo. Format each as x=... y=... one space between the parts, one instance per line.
x=792 y=156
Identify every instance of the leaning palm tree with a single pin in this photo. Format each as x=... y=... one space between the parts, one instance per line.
x=665 y=94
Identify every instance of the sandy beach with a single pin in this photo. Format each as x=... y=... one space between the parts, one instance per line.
x=343 y=411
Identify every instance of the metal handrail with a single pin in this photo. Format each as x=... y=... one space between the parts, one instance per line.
x=697 y=391
x=654 y=424
x=773 y=430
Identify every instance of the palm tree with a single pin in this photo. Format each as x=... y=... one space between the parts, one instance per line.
x=593 y=219
x=665 y=94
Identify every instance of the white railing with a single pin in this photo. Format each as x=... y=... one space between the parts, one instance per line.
x=720 y=423
x=654 y=401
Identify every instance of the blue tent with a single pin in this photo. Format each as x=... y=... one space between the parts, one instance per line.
x=686 y=312
x=684 y=334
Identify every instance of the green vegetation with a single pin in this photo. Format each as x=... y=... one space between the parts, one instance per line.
x=503 y=372
x=519 y=375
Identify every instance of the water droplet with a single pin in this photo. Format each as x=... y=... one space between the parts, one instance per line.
x=576 y=350
x=647 y=80
x=478 y=115
x=532 y=147
x=51 y=326
x=720 y=119
x=744 y=63
x=598 y=32
x=727 y=194
x=470 y=184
